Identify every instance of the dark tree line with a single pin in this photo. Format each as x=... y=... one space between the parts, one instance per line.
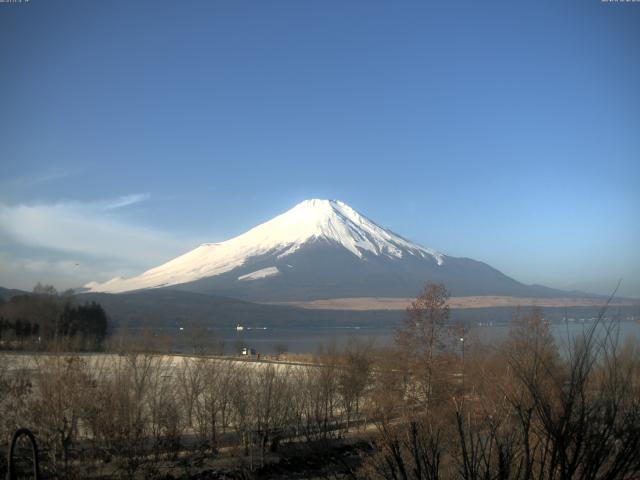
x=19 y=328
x=88 y=320
x=44 y=316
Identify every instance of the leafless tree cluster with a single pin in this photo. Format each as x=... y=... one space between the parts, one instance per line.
x=128 y=414
x=524 y=409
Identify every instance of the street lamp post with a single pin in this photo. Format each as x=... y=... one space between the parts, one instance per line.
x=462 y=343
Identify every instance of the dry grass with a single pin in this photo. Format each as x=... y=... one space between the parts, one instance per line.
x=388 y=303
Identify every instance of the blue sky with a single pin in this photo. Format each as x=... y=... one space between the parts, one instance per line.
x=508 y=132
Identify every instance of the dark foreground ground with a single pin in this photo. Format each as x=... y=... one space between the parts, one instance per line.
x=338 y=461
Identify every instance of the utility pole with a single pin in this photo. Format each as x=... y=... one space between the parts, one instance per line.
x=462 y=343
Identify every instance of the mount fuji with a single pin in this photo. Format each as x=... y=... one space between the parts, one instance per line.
x=317 y=250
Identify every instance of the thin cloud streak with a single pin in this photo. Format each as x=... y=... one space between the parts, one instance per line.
x=39 y=178
x=64 y=231
x=127 y=200
x=63 y=271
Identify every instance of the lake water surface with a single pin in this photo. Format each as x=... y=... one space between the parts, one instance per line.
x=310 y=339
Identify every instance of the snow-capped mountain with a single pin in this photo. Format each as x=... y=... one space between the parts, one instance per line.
x=318 y=249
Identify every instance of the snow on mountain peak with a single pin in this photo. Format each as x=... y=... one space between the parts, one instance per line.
x=336 y=221
x=311 y=220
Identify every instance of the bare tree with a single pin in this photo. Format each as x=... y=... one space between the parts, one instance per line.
x=321 y=392
x=241 y=391
x=354 y=378
x=424 y=335
x=270 y=406
x=190 y=376
x=61 y=384
x=164 y=408
x=213 y=406
x=408 y=451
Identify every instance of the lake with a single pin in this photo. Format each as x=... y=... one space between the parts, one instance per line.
x=268 y=340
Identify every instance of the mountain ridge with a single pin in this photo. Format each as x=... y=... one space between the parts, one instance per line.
x=320 y=249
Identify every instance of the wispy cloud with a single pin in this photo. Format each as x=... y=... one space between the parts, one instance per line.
x=126 y=200
x=63 y=232
x=39 y=178
x=50 y=176
x=61 y=270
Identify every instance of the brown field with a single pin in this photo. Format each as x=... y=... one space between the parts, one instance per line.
x=388 y=303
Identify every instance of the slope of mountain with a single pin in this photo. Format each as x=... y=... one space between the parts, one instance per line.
x=7 y=293
x=164 y=307
x=320 y=249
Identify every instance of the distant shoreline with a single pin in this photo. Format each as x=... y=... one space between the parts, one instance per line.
x=390 y=303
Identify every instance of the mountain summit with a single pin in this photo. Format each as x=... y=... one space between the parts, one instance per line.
x=319 y=249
